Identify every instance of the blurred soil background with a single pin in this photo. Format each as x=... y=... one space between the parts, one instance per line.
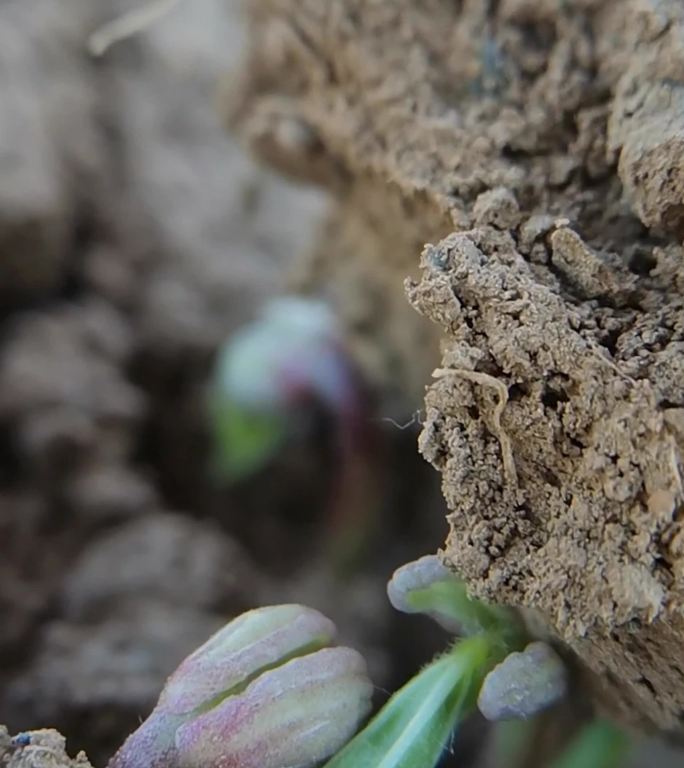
x=135 y=237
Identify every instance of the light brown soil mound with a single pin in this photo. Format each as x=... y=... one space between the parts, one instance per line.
x=538 y=144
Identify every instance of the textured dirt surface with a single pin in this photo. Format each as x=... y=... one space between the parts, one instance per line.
x=37 y=749
x=538 y=147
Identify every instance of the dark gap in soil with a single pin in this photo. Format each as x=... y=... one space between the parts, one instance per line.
x=517 y=392
x=551 y=397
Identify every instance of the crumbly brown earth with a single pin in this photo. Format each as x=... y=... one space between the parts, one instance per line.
x=37 y=749
x=537 y=145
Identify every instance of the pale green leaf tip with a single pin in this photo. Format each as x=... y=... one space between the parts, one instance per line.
x=418 y=578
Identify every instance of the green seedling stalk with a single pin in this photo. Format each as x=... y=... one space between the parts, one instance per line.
x=450 y=598
x=414 y=727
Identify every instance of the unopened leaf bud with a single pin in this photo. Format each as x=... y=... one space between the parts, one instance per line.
x=290 y=717
x=266 y=690
x=523 y=684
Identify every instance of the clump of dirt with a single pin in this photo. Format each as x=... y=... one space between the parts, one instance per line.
x=557 y=457
x=37 y=749
x=538 y=146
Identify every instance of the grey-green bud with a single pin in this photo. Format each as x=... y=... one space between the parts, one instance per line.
x=523 y=684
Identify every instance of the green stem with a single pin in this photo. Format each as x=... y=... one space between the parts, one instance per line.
x=414 y=726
